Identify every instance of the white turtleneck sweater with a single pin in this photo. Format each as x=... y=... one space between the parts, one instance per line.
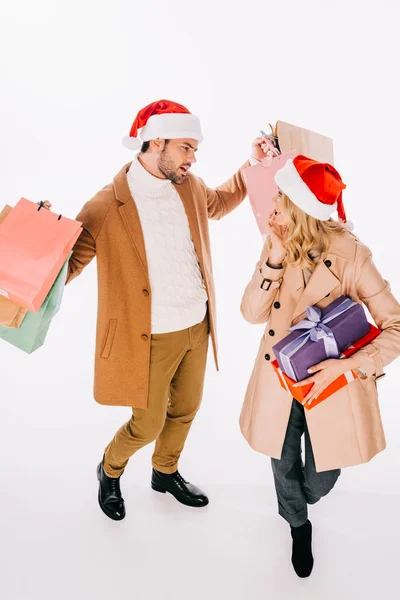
x=179 y=296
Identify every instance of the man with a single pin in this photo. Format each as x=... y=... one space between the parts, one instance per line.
x=149 y=232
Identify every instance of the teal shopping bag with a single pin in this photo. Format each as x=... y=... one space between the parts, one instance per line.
x=32 y=333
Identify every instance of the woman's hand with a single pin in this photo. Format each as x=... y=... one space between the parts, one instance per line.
x=276 y=234
x=325 y=373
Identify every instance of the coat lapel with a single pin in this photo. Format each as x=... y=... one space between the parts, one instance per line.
x=321 y=283
x=130 y=215
x=294 y=276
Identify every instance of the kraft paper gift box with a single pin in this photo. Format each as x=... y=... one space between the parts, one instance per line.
x=325 y=333
x=34 y=244
x=299 y=393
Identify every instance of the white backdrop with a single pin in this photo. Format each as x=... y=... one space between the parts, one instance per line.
x=73 y=75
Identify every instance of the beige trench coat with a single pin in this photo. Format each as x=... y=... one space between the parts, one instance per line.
x=346 y=428
x=113 y=234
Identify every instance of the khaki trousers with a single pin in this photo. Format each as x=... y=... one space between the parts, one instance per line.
x=177 y=370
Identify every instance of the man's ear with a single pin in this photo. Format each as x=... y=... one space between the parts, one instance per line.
x=157 y=146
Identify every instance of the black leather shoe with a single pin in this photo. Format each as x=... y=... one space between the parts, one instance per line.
x=184 y=492
x=110 y=498
x=302 y=558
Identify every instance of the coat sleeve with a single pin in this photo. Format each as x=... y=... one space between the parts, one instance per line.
x=226 y=197
x=261 y=291
x=375 y=293
x=83 y=253
x=92 y=217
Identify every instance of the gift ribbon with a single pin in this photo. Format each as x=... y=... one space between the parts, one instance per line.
x=316 y=329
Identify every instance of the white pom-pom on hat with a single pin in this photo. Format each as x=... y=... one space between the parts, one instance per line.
x=131 y=143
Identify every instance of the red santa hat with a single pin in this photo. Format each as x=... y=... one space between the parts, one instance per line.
x=165 y=120
x=314 y=187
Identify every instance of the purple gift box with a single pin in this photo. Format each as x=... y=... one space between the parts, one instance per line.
x=325 y=333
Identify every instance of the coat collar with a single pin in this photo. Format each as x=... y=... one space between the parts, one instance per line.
x=322 y=282
x=325 y=277
x=130 y=215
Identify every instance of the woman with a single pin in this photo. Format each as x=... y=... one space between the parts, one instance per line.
x=310 y=259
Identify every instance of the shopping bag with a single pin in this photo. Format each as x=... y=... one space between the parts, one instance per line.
x=303 y=141
x=5 y=212
x=32 y=333
x=261 y=187
x=11 y=314
x=290 y=141
x=34 y=244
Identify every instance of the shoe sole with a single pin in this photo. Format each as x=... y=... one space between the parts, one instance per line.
x=101 y=505
x=161 y=490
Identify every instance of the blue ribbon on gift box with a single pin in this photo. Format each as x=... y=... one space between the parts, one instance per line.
x=317 y=329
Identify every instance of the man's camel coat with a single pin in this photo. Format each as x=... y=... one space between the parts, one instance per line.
x=112 y=232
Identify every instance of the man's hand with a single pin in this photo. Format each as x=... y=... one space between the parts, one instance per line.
x=46 y=204
x=263 y=147
x=325 y=373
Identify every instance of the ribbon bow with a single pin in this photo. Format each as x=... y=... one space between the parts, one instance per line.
x=316 y=329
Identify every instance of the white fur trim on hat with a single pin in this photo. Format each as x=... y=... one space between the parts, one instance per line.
x=291 y=184
x=171 y=126
x=168 y=126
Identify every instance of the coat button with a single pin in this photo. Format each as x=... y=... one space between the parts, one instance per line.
x=277 y=304
x=145 y=337
x=267 y=357
x=146 y=293
x=328 y=263
x=271 y=332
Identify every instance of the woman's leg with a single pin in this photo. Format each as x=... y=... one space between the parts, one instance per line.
x=316 y=485
x=288 y=471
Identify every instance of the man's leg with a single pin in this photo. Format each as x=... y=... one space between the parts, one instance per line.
x=167 y=352
x=186 y=393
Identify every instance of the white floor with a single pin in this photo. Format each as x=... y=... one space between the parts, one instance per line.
x=57 y=544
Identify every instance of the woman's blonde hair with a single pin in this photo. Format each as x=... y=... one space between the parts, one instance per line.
x=307 y=238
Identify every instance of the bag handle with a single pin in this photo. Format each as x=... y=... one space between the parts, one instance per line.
x=41 y=204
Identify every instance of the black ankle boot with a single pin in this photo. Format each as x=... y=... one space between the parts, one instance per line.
x=110 y=498
x=184 y=492
x=302 y=558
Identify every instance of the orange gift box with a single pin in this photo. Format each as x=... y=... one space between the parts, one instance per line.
x=299 y=393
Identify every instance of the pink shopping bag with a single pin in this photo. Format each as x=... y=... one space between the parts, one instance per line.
x=261 y=187
x=34 y=245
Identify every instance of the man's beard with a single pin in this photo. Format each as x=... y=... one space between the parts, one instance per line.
x=167 y=168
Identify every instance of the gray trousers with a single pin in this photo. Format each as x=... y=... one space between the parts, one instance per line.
x=298 y=484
